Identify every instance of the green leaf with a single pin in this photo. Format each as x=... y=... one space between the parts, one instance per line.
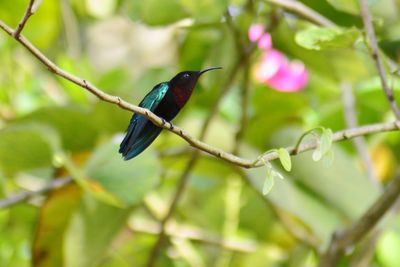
x=156 y=12
x=318 y=38
x=349 y=6
x=296 y=198
x=326 y=141
x=205 y=10
x=284 y=157
x=74 y=124
x=92 y=228
x=317 y=155
x=277 y=174
x=268 y=182
x=54 y=218
x=270 y=179
x=128 y=181
x=328 y=159
x=26 y=147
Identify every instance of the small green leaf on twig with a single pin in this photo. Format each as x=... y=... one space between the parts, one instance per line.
x=277 y=174
x=285 y=159
x=328 y=158
x=316 y=156
x=269 y=181
x=326 y=141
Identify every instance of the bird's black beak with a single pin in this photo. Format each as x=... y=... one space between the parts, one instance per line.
x=208 y=69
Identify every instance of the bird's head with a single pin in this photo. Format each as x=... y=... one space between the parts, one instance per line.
x=188 y=79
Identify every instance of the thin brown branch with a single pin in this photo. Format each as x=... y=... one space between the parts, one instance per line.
x=155 y=252
x=26 y=195
x=337 y=137
x=344 y=239
x=195 y=234
x=21 y=25
x=304 y=11
x=235 y=32
x=244 y=103
x=352 y=122
x=121 y=103
x=242 y=162
x=365 y=254
x=370 y=34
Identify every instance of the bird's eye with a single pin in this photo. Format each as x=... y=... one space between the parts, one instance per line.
x=186 y=75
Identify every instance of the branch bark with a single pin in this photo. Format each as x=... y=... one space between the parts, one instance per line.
x=231 y=158
x=187 y=232
x=27 y=15
x=370 y=34
x=304 y=11
x=341 y=240
x=352 y=122
x=26 y=195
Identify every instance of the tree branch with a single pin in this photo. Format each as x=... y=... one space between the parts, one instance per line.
x=341 y=240
x=26 y=195
x=351 y=121
x=370 y=34
x=304 y=11
x=194 y=234
x=242 y=162
x=21 y=25
x=337 y=137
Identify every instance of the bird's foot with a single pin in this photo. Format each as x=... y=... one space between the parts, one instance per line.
x=171 y=127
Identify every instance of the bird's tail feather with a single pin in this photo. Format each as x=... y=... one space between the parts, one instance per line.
x=133 y=144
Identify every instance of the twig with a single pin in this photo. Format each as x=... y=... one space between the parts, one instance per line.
x=351 y=120
x=337 y=137
x=365 y=254
x=341 y=240
x=26 y=195
x=242 y=162
x=192 y=233
x=71 y=29
x=236 y=34
x=303 y=11
x=244 y=103
x=27 y=15
x=155 y=252
x=370 y=33
x=123 y=104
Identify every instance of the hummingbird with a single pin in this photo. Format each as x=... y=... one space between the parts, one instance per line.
x=165 y=100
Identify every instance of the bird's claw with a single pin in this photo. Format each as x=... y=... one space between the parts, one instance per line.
x=171 y=127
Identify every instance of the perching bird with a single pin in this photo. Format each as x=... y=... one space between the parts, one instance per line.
x=165 y=100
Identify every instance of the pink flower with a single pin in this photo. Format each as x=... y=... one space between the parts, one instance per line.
x=270 y=64
x=255 y=32
x=265 y=42
x=291 y=77
x=275 y=71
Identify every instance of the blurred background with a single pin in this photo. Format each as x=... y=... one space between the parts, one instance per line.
x=292 y=75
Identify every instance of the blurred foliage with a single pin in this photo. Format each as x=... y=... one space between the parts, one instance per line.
x=51 y=128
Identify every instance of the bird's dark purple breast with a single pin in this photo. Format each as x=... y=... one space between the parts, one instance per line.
x=181 y=95
x=172 y=103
